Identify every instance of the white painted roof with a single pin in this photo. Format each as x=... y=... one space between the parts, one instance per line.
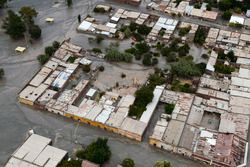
x=237 y=19
x=84 y=26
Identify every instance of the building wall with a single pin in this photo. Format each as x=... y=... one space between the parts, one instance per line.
x=25 y=101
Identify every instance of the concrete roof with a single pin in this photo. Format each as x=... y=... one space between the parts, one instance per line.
x=32 y=93
x=173 y=132
x=133 y=126
x=36 y=151
x=40 y=76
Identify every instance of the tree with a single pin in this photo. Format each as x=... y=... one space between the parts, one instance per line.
x=185 y=68
x=169 y=108
x=14 y=25
x=200 y=35
x=147 y=60
x=28 y=13
x=43 y=59
x=2 y=3
x=56 y=45
x=183 y=50
x=226 y=15
x=97 y=152
x=225 y=4
x=69 y=3
x=99 y=39
x=163 y=164
x=143 y=29
x=35 y=31
x=49 y=50
x=127 y=162
x=142 y=47
x=1 y=73
x=114 y=55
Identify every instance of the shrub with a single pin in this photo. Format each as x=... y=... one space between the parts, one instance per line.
x=123 y=75
x=200 y=35
x=142 y=47
x=224 y=69
x=97 y=152
x=56 y=45
x=97 y=50
x=43 y=59
x=99 y=10
x=71 y=59
x=226 y=15
x=101 y=68
x=127 y=163
x=99 y=39
x=169 y=108
x=184 y=68
x=204 y=56
x=35 y=31
x=147 y=60
x=49 y=50
x=154 y=61
x=185 y=30
x=86 y=68
x=143 y=29
x=1 y=73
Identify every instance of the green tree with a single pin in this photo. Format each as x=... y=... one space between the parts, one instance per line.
x=35 y=31
x=28 y=13
x=185 y=68
x=56 y=45
x=163 y=164
x=14 y=25
x=114 y=55
x=225 y=4
x=147 y=60
x=43 y=59
x=1 y=73
x=169 y=108
x=69 y=3
x=127 y=162
x=142 y=47
x=226 y=15
x=99 y=39
x=200 y=35
x=97 y=152
x=49 y=50
x=183 y=50
x=143 y=29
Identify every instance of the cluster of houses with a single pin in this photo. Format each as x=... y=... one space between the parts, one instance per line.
x=210 y=125
x=183 y=8
x=51 y=89
x=124 y=17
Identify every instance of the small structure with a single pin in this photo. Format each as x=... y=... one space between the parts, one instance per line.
x=20 y=49
x=49 y=19
x=237 y=20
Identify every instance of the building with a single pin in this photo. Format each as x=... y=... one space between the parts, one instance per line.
x=36 y=151
x=86 y=163
x=131 y=2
